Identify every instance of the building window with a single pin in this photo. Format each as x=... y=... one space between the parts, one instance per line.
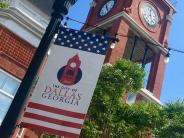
x=8 y=89
x=131 y=98
x=141 y=52
x=147 y=69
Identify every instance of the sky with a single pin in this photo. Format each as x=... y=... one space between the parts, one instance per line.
x=173 y=85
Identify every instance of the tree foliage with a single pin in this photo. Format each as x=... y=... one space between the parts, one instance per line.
x=4 y=4
x=108 y=116
x=174 y=126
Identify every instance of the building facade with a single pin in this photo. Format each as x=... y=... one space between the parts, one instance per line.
x=22 y=23
x=142 y=27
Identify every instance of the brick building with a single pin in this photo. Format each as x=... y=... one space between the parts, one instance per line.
x=21 y=28
x=142 y=27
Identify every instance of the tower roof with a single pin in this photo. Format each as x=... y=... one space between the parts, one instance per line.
x=170 y=5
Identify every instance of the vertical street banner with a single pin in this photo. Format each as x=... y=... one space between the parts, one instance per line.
x=64 y=90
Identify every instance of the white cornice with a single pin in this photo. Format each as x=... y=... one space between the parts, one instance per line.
x=170 y=5
x=149 y=96
x=134 y=26
x=22 y=25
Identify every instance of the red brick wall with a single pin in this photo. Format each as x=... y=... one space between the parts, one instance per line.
x=163 y=10
x=121 y=27
x=15 y=57
x=15 y=53
x=93 y=18
x=156 y=77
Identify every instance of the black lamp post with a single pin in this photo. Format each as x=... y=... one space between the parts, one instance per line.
x=60 y=8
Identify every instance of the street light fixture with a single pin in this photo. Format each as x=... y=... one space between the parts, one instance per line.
x=167 y=58
x=60 y=9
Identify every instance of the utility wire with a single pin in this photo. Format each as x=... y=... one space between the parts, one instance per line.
x=176 y=50
x=93 y=26
x=123 y=35
x=68 y=18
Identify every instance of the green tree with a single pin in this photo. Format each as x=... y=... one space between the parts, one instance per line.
x=4 y=4
x=108 y=116
x=174 y=127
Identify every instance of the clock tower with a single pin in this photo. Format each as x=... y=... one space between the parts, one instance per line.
x=142 y=27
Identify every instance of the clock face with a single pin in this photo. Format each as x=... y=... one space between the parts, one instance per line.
x=106 y=8
x=149 y=15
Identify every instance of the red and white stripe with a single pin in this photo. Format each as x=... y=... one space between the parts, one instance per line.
x=53 y=120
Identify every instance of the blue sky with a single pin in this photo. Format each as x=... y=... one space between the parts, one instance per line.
x=173 y=87
x=174 y=75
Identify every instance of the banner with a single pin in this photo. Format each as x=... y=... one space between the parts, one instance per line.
x=64 y=90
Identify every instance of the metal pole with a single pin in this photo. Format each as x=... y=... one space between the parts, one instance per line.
x=60 y=8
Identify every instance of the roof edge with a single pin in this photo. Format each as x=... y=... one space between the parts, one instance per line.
x=170 y=5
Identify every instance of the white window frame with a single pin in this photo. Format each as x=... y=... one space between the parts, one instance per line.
x=4 y=92
x=11 y=76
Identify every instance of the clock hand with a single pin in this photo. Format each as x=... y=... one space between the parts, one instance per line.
x=150 y=12
x=107 y=8
x=153 y=14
